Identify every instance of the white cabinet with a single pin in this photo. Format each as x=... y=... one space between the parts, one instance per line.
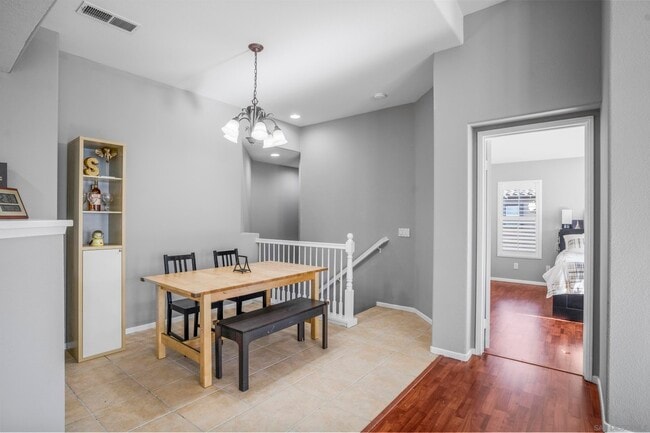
x=102 y=301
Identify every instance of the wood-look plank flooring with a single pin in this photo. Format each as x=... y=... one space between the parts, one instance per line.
x=523 y=328
x=491 y=393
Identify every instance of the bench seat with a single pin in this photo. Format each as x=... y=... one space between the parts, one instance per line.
x=248 y=327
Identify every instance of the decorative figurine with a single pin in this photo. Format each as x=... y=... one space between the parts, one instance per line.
x=91 y=166
x=97 y=239
x=94 y=198
x=107 y=153
x=238 y=265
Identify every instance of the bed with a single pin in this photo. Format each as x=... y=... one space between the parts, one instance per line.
x=565 y=281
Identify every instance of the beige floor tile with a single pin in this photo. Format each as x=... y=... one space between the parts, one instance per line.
x=85 y=425
x=322 y=384
x=290 y=370
x=213 y=410
x=102 y=396
x=409 y=365
x=182 y=392
x=72 y=366
x=172 y=422
x=161 y=375
x=85 y=379
x=330 y=418
x=138 y=361
x=74 y=409
x=363 y=403
x=261 y=387
x=383 y=384
x=262 y=358
x=289 y=346
x=132 y=413
x=276 y=414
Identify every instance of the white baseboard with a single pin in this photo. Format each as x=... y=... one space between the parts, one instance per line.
x=603 y=415
x=227 y=305
x=403 y=308
x=510 y=280
x=454 y=355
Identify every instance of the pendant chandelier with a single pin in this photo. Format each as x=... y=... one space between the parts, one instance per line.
x=258 y=119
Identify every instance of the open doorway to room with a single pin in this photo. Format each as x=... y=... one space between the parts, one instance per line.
x=534 y=233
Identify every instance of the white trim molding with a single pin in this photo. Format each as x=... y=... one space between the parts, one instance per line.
x=454 y=355
x=603 y=414
x=30 y=228
x=512 y=280
x=419 y=313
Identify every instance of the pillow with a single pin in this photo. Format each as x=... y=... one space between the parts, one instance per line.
x=574 y=243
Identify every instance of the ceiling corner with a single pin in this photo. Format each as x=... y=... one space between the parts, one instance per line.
x=453 y=15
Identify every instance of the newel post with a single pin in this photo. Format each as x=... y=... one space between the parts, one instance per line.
x=349 y=291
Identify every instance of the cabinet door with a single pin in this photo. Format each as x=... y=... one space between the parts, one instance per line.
x=102 y=301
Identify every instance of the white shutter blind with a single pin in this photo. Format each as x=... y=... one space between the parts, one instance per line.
x=519 y=219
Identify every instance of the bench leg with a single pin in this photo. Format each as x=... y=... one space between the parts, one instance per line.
x=239 y=307
x=243 y=342
x=218 y=350
x=186 y=324
x=324 y=336
x=301 y=331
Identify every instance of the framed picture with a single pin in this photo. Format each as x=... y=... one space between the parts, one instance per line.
x=11 y=206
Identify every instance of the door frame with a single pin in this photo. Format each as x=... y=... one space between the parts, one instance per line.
x=479 y=140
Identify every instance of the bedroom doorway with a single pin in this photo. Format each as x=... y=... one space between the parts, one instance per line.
x=534 y=230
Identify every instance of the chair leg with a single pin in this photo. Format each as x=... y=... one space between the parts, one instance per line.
x=220 y=310
x=218 y=349
x=186 y=323
x=196 y=323
x=324 y=333
x=169 y=319
x=239 y=307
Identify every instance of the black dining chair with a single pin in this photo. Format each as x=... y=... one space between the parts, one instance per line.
x=183 y=306
x=230 y=258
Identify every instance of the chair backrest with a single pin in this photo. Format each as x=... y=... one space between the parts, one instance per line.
x=228 y=257
x=180 y=262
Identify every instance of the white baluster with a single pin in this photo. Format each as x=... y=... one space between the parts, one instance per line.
x=349 y=291
x=340 y=281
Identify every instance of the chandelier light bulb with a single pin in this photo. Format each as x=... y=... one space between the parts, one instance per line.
x=233 y=138
x=259 y=131
x=268 y=142
x=278 y=137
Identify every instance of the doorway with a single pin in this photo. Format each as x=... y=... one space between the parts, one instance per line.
x=534 y=291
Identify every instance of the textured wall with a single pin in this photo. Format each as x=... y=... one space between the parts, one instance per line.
x=28 y=124
x=628 y=36
x=275 y=193
x=518 y=58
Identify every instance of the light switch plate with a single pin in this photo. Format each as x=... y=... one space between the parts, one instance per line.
x=404 y=233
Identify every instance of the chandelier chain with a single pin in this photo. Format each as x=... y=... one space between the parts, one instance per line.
x=255 y=101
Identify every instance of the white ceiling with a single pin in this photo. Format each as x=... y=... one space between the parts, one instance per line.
x=322 y=59
x=538 y=145
x=18 y=19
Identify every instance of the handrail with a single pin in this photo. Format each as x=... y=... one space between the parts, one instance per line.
x=301 y=243
x=375 y=247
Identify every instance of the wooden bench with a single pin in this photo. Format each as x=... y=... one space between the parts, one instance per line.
x=247 y=327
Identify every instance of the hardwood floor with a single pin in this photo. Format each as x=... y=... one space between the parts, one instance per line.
x=523 y=328
x=491 y=393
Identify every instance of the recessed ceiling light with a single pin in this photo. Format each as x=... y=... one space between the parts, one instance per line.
x=275 y=155
x=295 y=116
x=380 y=95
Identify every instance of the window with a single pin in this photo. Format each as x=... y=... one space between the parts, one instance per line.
x=519 y=225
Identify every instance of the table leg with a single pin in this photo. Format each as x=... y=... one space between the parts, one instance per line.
x=205 y=341
x=268 y=297
x=315 y=290
x=161 y=296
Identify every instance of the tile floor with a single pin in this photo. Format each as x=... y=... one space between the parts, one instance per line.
x=294 y=386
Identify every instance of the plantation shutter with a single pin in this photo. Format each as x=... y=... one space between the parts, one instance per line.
x=519 y=231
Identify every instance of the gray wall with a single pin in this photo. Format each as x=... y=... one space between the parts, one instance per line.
x=563 y=187
x=275 y=193
x=518 y=58
x=32 y=390
x=628 y=37
x=182 y=177
x=28 y=124
x=423 y=233
x=356 y=176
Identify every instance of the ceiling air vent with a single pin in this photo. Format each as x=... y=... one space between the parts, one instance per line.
x=106 y=17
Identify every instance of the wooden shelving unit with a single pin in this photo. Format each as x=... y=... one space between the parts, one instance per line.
x=95 y=292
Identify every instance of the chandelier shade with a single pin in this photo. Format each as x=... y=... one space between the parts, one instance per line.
x=258 y=119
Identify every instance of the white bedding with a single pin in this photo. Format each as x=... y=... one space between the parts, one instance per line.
x=567 y=276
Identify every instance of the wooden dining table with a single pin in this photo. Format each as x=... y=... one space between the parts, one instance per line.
x=216 y=284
